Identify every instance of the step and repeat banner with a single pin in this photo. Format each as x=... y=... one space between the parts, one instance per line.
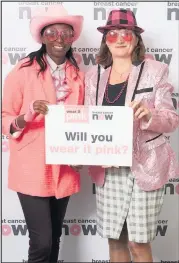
x=80 y=241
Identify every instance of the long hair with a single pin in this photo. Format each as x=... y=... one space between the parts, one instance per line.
x=104 y=56
x=39 y=57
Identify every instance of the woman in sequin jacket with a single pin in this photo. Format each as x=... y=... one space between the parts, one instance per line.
x=129 y=199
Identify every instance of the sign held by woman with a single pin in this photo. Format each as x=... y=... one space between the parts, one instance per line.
x=89 y=135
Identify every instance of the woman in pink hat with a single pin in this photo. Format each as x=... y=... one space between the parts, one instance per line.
x=47 y=76
x=129 y=199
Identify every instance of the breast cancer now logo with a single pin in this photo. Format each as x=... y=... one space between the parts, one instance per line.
x=87 y=56
x=102 y=116
x=77 y=228
x=15 y=230
x=5 y=143
x=175 y=100
x=102 y=13
x=12 y=55
x=165 y=58
x=171 y=188
x=173 y=11
x=5 y=146
x=27 y=12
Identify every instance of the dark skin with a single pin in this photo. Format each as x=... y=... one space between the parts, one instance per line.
x=58 y=56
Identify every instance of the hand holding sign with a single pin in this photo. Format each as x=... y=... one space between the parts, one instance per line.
x=140 y=110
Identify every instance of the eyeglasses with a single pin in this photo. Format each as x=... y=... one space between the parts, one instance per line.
x=112 y=35
x=53 y=34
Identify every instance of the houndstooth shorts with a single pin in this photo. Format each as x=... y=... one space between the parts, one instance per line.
x=121 y=201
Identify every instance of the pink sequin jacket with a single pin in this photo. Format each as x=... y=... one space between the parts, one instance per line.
x=154 y=161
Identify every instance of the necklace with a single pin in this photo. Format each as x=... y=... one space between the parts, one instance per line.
x=122 y=74
x=120 y=93
x=117 y=97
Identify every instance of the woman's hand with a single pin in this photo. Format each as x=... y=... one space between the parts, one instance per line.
x=40 y=107
x=140 y=111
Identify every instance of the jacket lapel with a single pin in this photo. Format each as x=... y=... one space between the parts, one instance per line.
x=104 y=76
x=47 y=86
x=132 y=81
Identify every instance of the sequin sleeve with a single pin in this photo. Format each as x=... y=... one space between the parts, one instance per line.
x=164 y=116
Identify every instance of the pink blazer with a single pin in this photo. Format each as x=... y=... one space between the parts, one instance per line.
x=154 y=161
x=28 y=173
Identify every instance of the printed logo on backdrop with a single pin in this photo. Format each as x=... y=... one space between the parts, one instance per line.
x=173 y=11
x=5 y=143
x=171 y=188
x=58 y=261
x=160 y=54
x=71 y=227
x=108 y=261
x=175 y=99
x=155 y=259
x=87 y=55
x=100 y=260
x=102 y=9
x=29 y=9
x=12 y=55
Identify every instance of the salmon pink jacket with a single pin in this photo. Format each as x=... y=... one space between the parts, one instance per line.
x=28 y=172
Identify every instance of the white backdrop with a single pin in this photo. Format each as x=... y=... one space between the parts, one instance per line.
x=82 y=244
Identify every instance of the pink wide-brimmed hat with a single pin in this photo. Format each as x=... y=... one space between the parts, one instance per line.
x=55 y=14
x=121 y=18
